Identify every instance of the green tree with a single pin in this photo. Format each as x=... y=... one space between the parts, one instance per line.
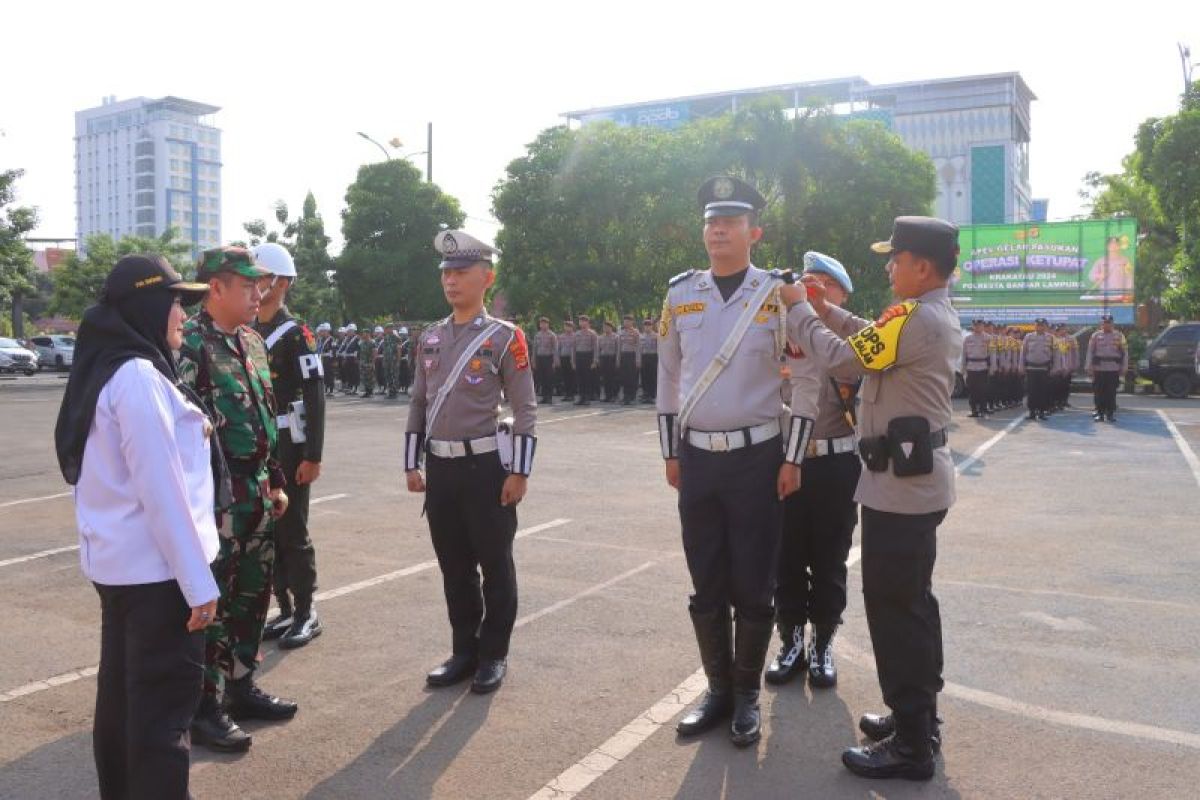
x=78 y=281
x=16 y=261
x=598 y=219
x=388 y=264
x=1159 y=186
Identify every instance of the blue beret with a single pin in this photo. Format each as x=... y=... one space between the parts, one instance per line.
x=819 y=262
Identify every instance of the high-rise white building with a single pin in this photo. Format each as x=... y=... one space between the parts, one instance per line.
x=144 y=165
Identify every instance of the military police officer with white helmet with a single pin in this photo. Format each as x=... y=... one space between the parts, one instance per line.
x=298 y=377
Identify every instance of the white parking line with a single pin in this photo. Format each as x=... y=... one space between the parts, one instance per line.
x=34 y=499
x=74 y=675
x=1189 y=455
x=573 y=416
x=963 y=465
x=327 y=498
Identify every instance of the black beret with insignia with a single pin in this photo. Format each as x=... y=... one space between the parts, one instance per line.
x=727 y=196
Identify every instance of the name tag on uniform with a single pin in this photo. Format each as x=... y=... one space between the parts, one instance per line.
x=687 y=308
x=878 y=344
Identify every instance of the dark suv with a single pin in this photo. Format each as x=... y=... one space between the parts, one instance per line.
x=1170 y=360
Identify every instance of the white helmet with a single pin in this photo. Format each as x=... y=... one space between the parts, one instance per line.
x=378 y=329
x=404 y=331
x=324 y=326
x=275 y=258
x=352 y=328
x=341 y=328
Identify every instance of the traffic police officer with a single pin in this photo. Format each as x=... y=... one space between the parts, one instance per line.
x=819 y=519
x=225 y=362
x=350 y=366
x=545 y=347
x=648 y=353
x=731 y=450
x=586 y=343
x=907 y=358
x=296 y=374
x=629 y=359
x=979 y=361
x=1107 y=361
x=477 y=473
x=1037 y=357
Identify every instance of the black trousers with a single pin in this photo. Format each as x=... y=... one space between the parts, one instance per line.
x=543 y=376
x=1104 y=390
x=732 y=523
x=585 y=375
x=650 y=376
x=327 y=367
x=295 y=576
x=898 y=554
x=978 y=390
x=566 y=376
x=147 y=691
x=1036 y=390
x=627 y=366
x=608 y=376
x=472 y=532
x=818 y=526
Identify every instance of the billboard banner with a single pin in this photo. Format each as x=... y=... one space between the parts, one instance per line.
x=1070 y=272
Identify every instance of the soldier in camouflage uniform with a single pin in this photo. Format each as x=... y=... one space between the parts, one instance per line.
x=366 y=361
x=391 y=360
x=226 y=363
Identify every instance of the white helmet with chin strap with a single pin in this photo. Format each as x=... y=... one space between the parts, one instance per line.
x=275 y=258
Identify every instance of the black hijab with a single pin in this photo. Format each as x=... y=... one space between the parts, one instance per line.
x=130 y=321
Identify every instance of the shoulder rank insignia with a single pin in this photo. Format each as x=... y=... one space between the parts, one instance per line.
x=878 y=344
x=785 y=275
x=681 y=277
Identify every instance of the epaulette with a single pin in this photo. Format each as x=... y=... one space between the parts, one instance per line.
x=681 y=277
x=785 y=275
x=505 y=323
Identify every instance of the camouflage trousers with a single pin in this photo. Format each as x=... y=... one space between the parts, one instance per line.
x=368 y=377
x=389 y=376
x=243 y=572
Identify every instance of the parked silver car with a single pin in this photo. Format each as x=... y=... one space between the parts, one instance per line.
x=15 y=358
x=54 y=351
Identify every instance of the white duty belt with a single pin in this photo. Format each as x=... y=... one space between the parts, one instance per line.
x=832 y=447
x=724 y=441
x=450 y=449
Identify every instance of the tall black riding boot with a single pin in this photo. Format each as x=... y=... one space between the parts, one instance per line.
x=713 y=635
x=752 y=638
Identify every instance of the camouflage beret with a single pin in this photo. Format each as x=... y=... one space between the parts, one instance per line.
x=237 y=260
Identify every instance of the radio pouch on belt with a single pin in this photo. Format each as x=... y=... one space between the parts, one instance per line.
x=910 y=446
x=874 y=452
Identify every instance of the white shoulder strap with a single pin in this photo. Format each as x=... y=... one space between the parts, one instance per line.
x=278 y=334
x=455 y=372
x=721 y=360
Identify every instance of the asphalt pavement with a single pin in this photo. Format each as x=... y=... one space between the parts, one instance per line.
x=1066 y=576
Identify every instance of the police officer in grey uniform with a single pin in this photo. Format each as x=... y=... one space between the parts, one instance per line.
x=819 y=519
x=545 y=348
x=585 y=345
x=629 y=359
x=566 y=360
x=1037 y=357
x=907 y=358
x=477 y=470
x=1107 y=360
x=648 y=355
x=979 y=362
x=607 y=345
x=731 y=449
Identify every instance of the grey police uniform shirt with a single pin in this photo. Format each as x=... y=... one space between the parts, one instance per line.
x=978 y=353
x=918 y=384
x=545 y=343
x=586 y=341
x=648 y=343
x=566 y=344
x=831 y=420
x=1107 y=352
x=608 y=344
x=695 y=323
x=628 y=342
x=471 y=409
x=1037 y=351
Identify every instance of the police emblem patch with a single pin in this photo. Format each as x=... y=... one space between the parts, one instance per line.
x=449 y=244
x=474 y=380
x=722 y=188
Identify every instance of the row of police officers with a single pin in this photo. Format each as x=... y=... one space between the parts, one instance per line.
x=581 y=363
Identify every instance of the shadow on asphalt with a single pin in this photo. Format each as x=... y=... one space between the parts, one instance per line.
x=408 y=759
x=68 y=759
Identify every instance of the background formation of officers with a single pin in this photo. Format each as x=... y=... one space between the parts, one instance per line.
x=581 y=365
x=377 y=360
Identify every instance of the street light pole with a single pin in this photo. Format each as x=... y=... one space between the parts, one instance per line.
x=386 y=154
x=429 y=154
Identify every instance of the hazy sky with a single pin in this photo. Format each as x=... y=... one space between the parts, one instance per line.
x=296 y=80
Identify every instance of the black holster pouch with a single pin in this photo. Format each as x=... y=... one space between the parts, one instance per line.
x=874 y=452
x=910 y=446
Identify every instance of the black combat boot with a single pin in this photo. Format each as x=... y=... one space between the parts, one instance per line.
x=907 y=753
x=212 y=727
x=278 y=625
x=821 y=671
x=714 y=638
x=878 y=727
x=752 y=640
x=304 y=628
x=455 y=669
x=244 y=700
x=793 y=654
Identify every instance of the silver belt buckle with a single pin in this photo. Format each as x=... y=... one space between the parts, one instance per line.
x=718 y=442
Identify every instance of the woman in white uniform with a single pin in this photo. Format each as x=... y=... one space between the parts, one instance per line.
x=137 y=449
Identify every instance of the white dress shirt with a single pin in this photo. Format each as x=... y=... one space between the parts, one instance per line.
x=144 y=501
